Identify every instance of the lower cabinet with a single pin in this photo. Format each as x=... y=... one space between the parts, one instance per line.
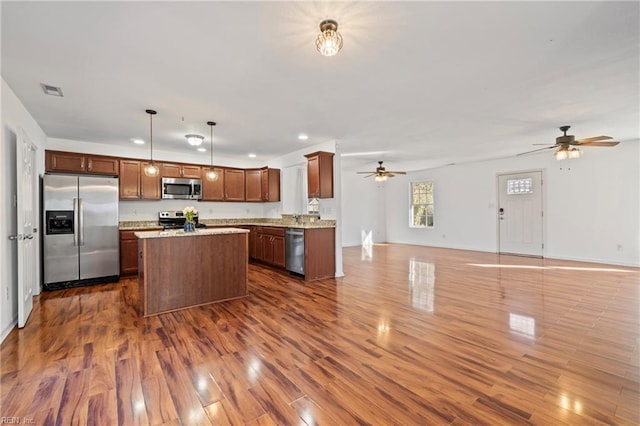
x=319 y=253
x=129 y=252
x=268 y=245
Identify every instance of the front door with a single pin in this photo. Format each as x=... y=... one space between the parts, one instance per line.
x=520 y=213
x=26 y=226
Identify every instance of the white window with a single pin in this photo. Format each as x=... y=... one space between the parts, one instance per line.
x=421 y=205
x=519 y=186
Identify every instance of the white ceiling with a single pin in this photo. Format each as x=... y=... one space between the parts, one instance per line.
x=417 y=84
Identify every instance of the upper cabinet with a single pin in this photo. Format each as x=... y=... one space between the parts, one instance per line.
x=253 y=185
x=134 y=184
x=262 y=184
x=71 y=162
x=176 y=170
x=270 y=184
x=214 y=190
x=320 y=174
x=234 y=185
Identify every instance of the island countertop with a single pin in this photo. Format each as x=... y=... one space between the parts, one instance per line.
x=196 y=233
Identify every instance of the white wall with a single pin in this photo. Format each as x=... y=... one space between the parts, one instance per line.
x=14 y=116
x=363 y=210
x=591 y=205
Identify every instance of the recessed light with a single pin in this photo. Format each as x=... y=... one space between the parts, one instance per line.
x=252 y=155
x=137 y=141
x=202 y=149
x=303 y=137
x=51 y=90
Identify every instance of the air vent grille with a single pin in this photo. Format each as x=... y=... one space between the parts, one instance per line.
x=51 y=90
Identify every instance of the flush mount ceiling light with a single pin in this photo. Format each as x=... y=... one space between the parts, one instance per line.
x=137 y=141
x=329 y=41
x=202 y=149
x=194 y=140
x=252 y=155
x=303 y=137
x=151 y=169
x=211 y=174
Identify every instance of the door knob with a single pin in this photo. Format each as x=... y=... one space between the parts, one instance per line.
x=15 y=237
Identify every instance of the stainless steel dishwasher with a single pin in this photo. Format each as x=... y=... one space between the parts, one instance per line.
x=294 y=250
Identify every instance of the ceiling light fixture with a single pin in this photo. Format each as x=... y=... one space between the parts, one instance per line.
x=137 y=141
x=211 y=174
x=202 y=149
x=329 y=41
x=252 y=155
x=151 y=169
x=561 y=153
x=574 y=153
x=380 y=178
x=303 y=137
x=194 y=140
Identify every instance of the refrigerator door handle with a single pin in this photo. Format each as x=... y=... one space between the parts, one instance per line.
x=75 y=222
x=81 y=224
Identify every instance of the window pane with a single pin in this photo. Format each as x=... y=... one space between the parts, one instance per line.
x=421 y=204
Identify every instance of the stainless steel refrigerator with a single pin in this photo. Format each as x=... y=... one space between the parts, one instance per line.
x=81 y=239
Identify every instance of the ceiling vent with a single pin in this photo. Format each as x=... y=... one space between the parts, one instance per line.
x=51 y=90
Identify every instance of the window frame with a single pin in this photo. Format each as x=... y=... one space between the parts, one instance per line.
x=412 y=223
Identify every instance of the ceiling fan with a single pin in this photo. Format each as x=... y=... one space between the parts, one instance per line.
x=566 y=145
x=381 y=174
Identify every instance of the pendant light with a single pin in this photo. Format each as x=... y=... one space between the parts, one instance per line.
x=211 y=174
x=151 y=169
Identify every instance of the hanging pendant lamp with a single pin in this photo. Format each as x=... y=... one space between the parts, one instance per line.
x=211 y=174
x=151 y=169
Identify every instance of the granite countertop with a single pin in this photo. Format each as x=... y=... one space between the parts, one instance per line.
x=286 y=222
x=196 y=233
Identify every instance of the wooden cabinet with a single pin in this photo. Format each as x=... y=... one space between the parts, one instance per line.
x=270 y=184
x=234 y=186
x=134 y=184
x=72 y=162
x=270 y=245
x=213 y=190
x=253 y=185
x=320 y=174
x=129 y=251
x=175 y=170
x=319 y=253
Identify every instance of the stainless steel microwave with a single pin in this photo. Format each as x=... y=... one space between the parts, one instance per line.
x=182 y=189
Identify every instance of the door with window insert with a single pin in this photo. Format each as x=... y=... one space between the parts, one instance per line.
x=520 y=213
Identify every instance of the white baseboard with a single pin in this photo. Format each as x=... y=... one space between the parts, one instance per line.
x=8 y=329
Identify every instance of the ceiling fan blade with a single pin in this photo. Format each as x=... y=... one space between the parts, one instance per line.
x=364 y=172
x=369 y=175
x=593 y=139
x=536 y=150
x=398 y=173
x=600 y=143
x=543 y=144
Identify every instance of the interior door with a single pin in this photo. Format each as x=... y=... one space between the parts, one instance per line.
x=520 y=213
x=26 y=226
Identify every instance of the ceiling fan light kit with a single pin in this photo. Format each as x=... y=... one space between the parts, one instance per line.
x=151 y=169
x=381 y=173
x=329 y=41
x=566 y=145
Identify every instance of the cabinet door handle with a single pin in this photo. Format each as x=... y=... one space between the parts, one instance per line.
x=90 y=164
x=82 y=163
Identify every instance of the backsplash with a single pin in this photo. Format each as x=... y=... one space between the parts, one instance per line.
x=148 y=210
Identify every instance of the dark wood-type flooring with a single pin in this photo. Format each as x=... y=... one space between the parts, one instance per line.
x=410 y=336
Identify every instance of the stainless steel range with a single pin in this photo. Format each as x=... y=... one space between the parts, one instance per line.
x=175 y=220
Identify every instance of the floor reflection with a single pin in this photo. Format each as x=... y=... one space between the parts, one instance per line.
x=367 y=245
x=422 y=282
x=522 y=325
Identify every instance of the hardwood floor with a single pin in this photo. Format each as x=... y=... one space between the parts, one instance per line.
x=410 y=335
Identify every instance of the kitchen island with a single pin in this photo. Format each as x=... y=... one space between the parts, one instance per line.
x=179 y=270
